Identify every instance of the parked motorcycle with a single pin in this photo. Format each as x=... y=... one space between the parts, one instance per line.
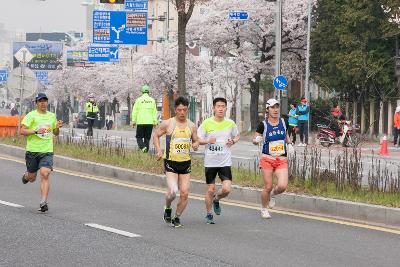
x=348 y=136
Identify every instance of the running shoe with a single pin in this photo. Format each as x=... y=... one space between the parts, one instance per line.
x=265 y=214
x=272 y=201
x=167 y=215
x=24 y=180
x=217 y=207
x=43 y=207
x=176 y=222
x=210 y=219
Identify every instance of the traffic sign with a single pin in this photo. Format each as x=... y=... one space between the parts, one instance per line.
x=103 y=54
x=280 y=82
x=238 y=15
x=119 y=27
x=136 y=5
x=3 y=76
x=20 y=55
x=30 y=83
x=42 y=77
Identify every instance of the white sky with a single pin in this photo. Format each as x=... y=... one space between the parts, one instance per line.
x=48 y=15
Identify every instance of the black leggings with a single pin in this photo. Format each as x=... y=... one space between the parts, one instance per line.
x=292 y=133
x=303 y=129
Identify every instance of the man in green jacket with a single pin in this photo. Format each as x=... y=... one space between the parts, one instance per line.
x=91 y=110
x=144 y=115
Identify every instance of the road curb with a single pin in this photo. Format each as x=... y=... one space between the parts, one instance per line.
x=352 y=211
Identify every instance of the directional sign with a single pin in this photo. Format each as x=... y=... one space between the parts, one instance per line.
x=103 y=54
x=136 y=5
x=3 y=76
x=238 y=15
x=43 y=77
x=119 y=27
x=280 y=82
x=20 y=55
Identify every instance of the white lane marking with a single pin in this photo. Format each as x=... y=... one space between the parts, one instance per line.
x=11 y=204
x=112 y=230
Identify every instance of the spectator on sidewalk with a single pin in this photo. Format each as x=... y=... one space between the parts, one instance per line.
x=293 y=122
x=303 y=112
x=144 y=115
x=396 y=126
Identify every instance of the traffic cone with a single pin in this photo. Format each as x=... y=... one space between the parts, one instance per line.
x=384 y=147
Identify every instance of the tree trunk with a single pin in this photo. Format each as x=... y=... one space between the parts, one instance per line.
x=380 y=118
x=355 y=112
x=372 y=117
x=254 y=95
x=362 y=117
x=181 y=54
x=347 y=110
x=128 y=101
x=390 y=119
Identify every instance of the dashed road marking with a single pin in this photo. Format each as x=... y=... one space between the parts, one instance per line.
x=112 y=230
x=11 y=204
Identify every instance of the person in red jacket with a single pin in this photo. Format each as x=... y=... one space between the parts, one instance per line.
x=396 y=126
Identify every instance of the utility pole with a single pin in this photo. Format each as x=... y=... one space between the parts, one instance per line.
x=307 y=94
x=21 y=89
x=278 y=41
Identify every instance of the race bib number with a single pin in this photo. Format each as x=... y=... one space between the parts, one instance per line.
x=277 y=148
x=48 y=131
x=181 y=148
x=215 y=149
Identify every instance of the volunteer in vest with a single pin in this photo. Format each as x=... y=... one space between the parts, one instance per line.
x=303 y=112
x=218 y=134
x=144 y=115
x=181 y=135
x=91 y=110
x=276 y=143
x=293 y=122
x=39 y=126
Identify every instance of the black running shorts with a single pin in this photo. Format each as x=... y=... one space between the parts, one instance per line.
x=35 y=161
x=224 y=173
x=183 y=167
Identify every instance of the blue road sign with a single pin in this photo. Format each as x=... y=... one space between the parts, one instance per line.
x=3 y=75
x=43 y=77
x=136 y=5
x=280 y=82
x=103 y=54
x=119 y=27
x=238 y=15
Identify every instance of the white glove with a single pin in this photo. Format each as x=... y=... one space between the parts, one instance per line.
x=290 y=149
x=258 y=139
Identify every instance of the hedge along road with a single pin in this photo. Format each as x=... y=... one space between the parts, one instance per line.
x=239 y=237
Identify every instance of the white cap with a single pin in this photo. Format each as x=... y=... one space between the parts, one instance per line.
x=398 y=109
x=271 y=102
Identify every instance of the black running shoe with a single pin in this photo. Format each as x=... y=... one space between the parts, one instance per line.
x=43 y=207
x=24 y=180
x=176 y=222
x=210 y=219
x=167 y=215
x=217 y=207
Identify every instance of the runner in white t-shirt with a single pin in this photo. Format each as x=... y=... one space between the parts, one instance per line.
x=218 y=134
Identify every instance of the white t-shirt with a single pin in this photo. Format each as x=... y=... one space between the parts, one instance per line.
x=218 y=154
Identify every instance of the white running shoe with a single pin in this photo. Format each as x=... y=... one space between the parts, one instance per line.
x=300 y=144
x=272 y=201
x=265 y=214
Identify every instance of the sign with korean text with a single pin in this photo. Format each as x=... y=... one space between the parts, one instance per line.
x=3 y=75
x=103 y=54
x=42 y=77
x=136 y=5
x=46 y=55
x=238 y=15
x=119 y=27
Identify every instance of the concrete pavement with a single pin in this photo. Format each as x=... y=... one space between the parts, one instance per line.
x=240 y=237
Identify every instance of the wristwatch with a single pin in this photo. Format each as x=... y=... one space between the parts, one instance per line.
x=36 y=132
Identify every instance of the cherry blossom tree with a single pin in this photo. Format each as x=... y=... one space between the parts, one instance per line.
x=252 y=42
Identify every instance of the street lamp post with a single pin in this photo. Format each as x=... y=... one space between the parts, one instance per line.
x=307 y=81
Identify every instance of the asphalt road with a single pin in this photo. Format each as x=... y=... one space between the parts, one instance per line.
x=239 y=237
